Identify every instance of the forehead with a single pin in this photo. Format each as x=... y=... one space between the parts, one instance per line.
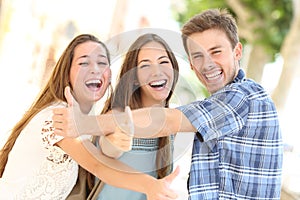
x=89 y=48
x=152 y=48
x=207 y=39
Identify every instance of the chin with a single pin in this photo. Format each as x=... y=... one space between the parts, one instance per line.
x=97 y=97
x=160 y=100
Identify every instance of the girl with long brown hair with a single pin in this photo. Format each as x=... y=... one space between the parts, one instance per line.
x=147 y=78
x=37 y=164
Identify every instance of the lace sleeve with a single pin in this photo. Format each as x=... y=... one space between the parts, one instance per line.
x=48 y=137
x=56 y=172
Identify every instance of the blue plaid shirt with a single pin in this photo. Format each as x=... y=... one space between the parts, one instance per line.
x=237 y=152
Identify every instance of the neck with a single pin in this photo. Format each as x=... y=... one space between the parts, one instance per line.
x=154 y=104
x=85 y=109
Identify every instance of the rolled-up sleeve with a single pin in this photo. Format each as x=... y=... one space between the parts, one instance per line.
x=223 y=113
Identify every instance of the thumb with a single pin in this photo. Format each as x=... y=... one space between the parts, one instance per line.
x=69 y=96
x=170 y=178
x=129 y=120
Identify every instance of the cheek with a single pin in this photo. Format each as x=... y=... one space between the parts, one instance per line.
x=107 y=74
x=73 y=77
x=142 y=76
x=170 y=73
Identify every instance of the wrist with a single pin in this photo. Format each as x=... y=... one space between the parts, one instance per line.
x=89 y=125
x=146 y=184
x=109 y=149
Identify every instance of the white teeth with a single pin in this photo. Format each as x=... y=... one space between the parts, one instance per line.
x=158 y=83
x=212 y=75
x=93 y=82
x=96 y=83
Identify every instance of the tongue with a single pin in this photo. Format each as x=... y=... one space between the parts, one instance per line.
x=93 y=85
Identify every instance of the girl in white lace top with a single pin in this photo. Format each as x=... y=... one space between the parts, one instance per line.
x=37 y=164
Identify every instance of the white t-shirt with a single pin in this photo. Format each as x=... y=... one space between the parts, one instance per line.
x=36 y=168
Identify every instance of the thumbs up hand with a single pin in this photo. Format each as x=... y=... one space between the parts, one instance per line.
x=67 y=120
x=113 y=145
x=70 y=99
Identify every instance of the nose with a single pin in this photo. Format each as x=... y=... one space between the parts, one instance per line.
x=156 y=69
x=95 y=69
x=208 y=62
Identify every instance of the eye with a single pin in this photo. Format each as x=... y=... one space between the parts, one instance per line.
x=83 y=64
x=144 y=66
x=103 y=63
x=164 y=62
x=197 y=55
x=217 y=52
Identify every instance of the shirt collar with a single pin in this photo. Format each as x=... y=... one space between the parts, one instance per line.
x=240 y=76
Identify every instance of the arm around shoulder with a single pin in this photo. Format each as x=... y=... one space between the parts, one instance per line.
x=159 y=122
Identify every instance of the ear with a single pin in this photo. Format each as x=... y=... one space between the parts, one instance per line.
x=191 y=65
x=238 y=51
x=136 y=83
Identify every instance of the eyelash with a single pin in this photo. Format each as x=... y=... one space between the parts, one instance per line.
x=213 y=53
x=83 y=63
x=165 y=62
x=161 y=63
x=216 y=52
x=99 y=63
x=102 y=63
x=198 y=56
x=142 y=66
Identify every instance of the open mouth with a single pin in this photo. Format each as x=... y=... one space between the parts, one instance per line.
x=93 y=84
x=158 y=84
x=214 y=75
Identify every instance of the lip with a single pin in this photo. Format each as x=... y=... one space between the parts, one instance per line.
x=213 y=75
x=94 y=84
x=158 y=84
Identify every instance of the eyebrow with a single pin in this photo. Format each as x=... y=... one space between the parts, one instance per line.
x=147 y=60
x=85 y=56
x=162 y=57
x=216 y=47
x=210 y=49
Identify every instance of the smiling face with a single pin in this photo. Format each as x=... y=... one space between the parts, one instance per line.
x=155 y=74
x=213 y=59
x=90 y=74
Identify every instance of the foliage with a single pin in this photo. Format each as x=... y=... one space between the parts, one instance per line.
x=192 y=7
x=276 y=16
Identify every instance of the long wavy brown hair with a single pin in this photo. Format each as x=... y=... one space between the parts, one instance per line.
x=128 y=93
x=53 y=91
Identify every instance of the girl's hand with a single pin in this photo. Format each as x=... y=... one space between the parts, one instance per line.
x=115 y=144
x=64 y=120
x=161 y=190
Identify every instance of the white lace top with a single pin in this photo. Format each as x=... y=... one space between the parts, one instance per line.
x=36 y=168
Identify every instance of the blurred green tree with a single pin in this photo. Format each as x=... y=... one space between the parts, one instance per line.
x=290 y=51
x=263 y=25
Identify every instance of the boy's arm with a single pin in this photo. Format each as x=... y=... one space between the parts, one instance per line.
x=148 y=122
x=158 y=122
